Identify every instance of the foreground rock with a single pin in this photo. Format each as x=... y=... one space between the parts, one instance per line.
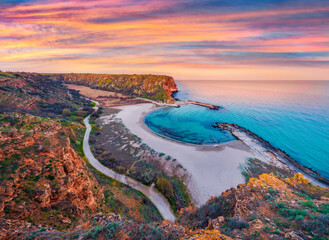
x=267 y=207
x=43 y=179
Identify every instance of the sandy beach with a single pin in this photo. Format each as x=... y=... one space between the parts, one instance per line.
x=213 y=169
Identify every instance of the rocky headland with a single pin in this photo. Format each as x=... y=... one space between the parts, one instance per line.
x=155 y=87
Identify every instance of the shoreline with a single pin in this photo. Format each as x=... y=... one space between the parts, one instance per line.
x=280 y=155
x=212 y=168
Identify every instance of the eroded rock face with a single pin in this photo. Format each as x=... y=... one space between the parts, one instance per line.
x=43 y=179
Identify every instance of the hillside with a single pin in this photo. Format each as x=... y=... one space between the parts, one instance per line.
x=48 y=190
x=156 y=87
x=267 y=207
x=36 y=94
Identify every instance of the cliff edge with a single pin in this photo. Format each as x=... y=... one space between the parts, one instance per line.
x=155 y=87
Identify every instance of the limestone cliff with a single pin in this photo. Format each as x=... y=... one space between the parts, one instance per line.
x=156 y=87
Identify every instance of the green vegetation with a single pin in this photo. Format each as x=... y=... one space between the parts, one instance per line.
x=146 y=171
x=254 y=167
x=165 y=187
x=145 y=86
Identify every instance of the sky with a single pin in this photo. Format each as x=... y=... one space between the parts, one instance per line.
x=186 y=39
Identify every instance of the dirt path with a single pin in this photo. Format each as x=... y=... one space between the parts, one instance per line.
x=149 y=191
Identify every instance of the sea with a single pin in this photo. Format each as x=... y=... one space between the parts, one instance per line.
x=291 y=115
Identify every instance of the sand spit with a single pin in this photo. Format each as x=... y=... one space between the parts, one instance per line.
x=272 y=154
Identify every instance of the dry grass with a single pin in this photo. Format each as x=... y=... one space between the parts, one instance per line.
x=106 y=98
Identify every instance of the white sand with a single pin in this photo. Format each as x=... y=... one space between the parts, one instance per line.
x=213 y=169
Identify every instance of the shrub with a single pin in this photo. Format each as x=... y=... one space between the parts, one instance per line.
x=111 y=229
x=81 y=113
x=318 y=225
x=237 y=223
x=299 y=218
x=303 y=195
x=308 y=204
x=200 y=218
x=50 y=177
x=165 y=187
x=280 y=205
x=324 y=208
x=94 y=232
x=66 y=112
x=78 y=119
x=292 y=212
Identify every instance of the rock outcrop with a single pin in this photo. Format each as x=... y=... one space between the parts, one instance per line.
x=43 y=179
x=267 y=207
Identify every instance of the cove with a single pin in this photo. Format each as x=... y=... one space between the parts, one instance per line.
x=187 y=124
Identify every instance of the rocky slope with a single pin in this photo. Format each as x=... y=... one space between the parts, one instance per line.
x=48 y=191
x=156 y=87
x=267 y=207
x=43 y=179
x=36 y=94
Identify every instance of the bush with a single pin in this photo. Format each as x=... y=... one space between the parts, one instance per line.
x=111 y=229
x=66 y=112
x=78 y=119
x=94 y=232
x=292 y=212
x=213 y=209
x=303 y=195
x=165 y=187
x=237 y=223
x=308 y=204
x=319 y=225
x=81 y=113
x=280 y=205
x=324 y=208
x=299 y=218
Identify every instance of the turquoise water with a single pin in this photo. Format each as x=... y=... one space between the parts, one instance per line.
x=291 y=115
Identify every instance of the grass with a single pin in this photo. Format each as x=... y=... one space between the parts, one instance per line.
x=254 y=167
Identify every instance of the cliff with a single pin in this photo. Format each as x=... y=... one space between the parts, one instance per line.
x=156 y=87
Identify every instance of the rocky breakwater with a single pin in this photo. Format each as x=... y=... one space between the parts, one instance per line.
x=278 y=153
x=210 y=106
x=43 y=180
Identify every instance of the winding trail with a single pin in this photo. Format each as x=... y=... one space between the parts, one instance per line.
x=149 y=191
